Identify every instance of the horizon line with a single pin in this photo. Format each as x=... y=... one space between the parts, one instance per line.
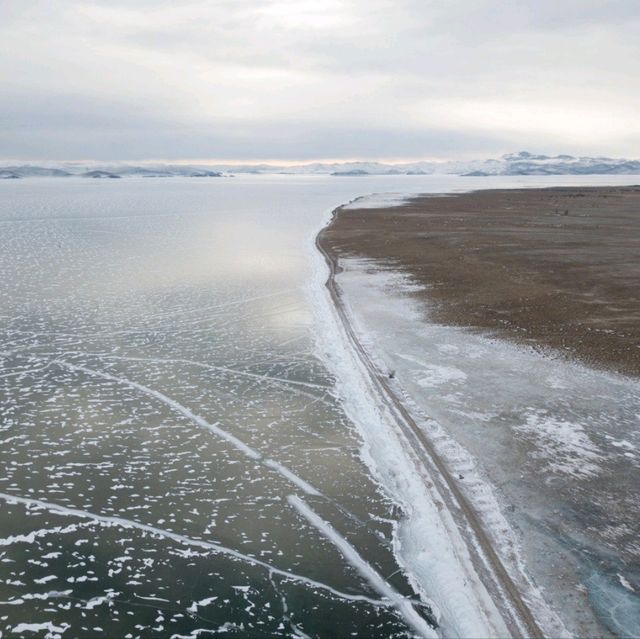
x=280 y=162
x=230 y=161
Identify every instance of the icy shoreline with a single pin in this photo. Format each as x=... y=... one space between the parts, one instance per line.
x=557 y=428
x=375 y=305
x=426 y=540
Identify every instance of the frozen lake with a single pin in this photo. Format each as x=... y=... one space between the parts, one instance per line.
x=175 y=455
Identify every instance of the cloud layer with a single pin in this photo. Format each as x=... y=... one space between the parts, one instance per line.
x=301 y=79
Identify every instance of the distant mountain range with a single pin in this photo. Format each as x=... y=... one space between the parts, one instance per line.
x=522 y=163
x=100 y=171
x=525 y=163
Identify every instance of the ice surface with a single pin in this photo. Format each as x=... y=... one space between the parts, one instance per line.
x=364 y=568
x=162 y=396
x=160 y=400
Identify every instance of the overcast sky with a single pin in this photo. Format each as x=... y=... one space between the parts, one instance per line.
x=303 y=79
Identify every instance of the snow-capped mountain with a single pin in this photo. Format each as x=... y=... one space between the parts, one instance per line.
x=525 y=163
x=522 y=163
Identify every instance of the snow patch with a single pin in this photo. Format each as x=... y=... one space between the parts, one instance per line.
x=432 y=375
x=377 y=201
x=563 y=445
x=53 y=631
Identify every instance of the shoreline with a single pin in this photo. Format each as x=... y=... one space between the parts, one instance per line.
x=581 y=481
x=556 y=269
x=485 y=560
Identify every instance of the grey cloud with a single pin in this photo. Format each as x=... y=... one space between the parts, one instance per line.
x=136 y=78
x=67 y=126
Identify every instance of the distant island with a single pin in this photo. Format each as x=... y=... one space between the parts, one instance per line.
x=353 y=172
x=100 y=175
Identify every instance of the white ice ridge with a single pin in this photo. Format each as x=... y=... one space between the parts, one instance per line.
x=107 y=520
x=253 y=454
x=293 y=478
x=403 y=605
x=223 y=369
x=214 y=428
